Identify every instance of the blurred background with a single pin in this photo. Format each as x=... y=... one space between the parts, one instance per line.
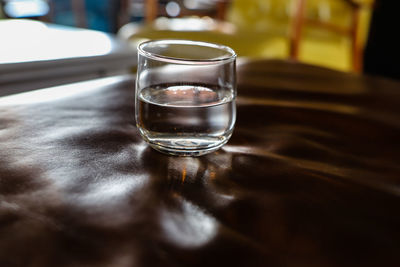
x=328 y=33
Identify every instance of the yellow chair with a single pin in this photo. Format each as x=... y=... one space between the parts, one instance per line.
x=330 y=33
x=334 y=32
x=320 y=32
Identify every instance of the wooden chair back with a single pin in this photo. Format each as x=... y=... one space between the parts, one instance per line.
x=300 y=20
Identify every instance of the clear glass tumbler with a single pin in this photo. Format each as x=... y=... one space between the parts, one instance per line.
x=185 y=96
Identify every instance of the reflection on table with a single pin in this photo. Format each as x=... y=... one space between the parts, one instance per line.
x=310 y=177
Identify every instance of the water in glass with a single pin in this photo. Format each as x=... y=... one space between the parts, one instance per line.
x=186 y=117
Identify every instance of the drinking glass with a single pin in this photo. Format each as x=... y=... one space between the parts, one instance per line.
x=185 y=96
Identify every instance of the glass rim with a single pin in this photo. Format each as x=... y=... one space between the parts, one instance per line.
x=230 y=57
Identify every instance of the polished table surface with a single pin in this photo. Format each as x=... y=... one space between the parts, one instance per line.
x=310 y=177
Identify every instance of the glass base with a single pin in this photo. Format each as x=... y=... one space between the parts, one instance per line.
x=189 y=147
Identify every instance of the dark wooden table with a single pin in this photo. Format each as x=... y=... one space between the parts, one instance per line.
x=311 y=177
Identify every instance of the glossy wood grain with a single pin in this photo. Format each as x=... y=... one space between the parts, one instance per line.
x=309 y=178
